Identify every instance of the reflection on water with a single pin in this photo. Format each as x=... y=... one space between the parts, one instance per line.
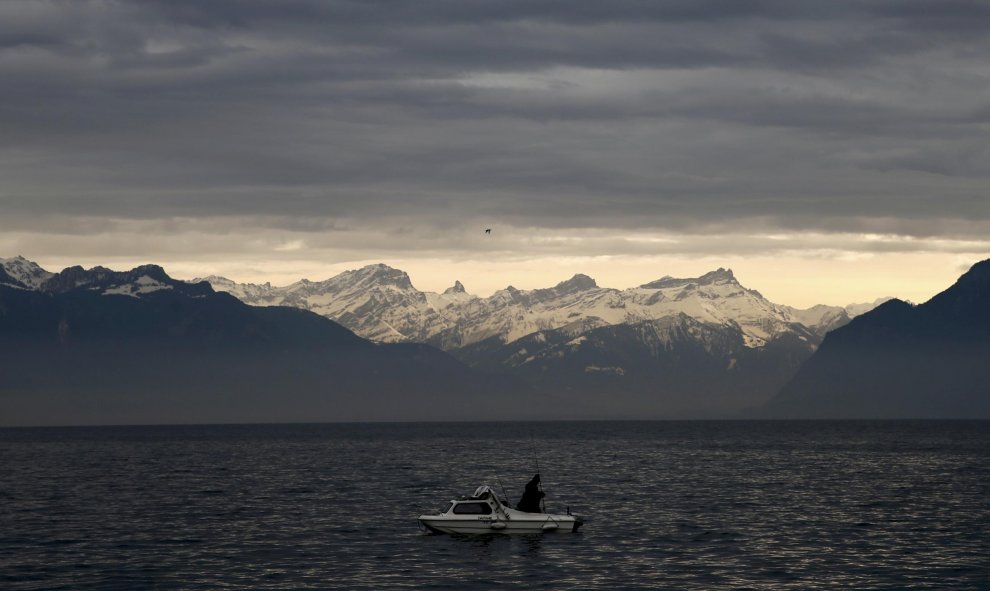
x=481 y=546
x=678 y=505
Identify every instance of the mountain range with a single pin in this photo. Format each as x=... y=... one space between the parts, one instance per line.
x=674 y=347
x=380 y=303
x=103 y=347
x=86 y=346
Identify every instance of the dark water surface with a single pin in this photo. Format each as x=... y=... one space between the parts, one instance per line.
x=671 y=505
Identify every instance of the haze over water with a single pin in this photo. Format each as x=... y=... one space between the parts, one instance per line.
x=673 y=505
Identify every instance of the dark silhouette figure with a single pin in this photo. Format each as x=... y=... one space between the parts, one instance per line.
x=530 y=501
x=488 y=230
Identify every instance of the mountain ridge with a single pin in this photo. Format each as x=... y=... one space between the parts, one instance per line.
x=901 y=361
x=394 y=311
x=683 y=347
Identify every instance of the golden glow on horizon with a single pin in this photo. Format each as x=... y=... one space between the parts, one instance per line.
x=800 y=269
x=789 y=280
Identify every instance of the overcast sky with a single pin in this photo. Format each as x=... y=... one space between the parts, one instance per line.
x=827 y=151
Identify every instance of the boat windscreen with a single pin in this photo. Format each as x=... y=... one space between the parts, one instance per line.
x=446 y=509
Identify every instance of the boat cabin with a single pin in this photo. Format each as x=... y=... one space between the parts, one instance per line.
x=482 y=502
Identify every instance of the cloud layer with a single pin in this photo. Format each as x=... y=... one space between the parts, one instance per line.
x=386 y=125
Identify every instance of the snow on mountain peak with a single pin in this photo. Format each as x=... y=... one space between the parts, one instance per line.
x=27 y=272
x=246 y=292
x=138 y=281
x=379 y=302
x=381 y=274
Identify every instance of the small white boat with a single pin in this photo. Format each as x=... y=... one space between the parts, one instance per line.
x=484 y=513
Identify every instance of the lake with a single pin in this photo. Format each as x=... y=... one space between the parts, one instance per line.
x=669 y=505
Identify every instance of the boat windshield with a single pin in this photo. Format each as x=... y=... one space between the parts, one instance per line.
x=446 y=509
x=472 y=509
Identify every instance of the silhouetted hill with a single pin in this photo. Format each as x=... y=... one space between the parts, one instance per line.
x=102 y=347
x=902 y=361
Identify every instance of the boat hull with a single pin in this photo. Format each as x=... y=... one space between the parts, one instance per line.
x=541 y=523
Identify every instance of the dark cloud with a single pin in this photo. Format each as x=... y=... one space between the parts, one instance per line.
x=818 y=116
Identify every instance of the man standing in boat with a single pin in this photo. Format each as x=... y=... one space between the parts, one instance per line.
x=530 y=501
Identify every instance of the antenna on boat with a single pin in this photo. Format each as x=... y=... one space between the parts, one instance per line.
x=505 y=495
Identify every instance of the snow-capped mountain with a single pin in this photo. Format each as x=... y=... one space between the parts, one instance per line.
x=24 y=271
x=145 y=279
x=715 y=298
x=820 y=319
x=246 y=292
x=380 y=303
x=138 y=281
x=377 y=302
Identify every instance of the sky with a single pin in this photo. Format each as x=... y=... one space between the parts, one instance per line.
x=828 y=152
